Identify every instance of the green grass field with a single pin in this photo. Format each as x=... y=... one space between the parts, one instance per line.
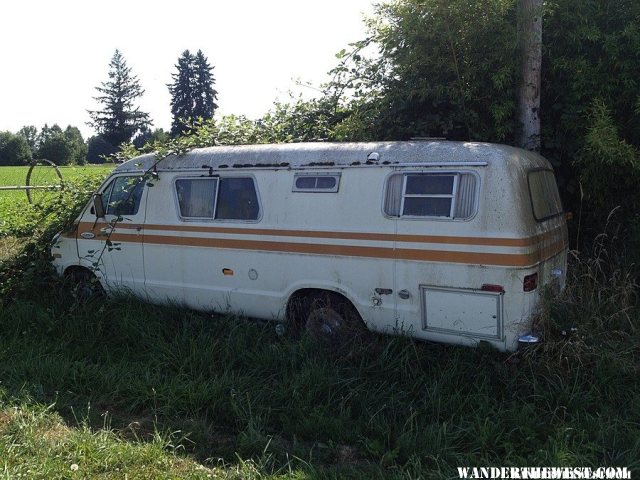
x=17 y=215
x=117 y=388
x=11 y=176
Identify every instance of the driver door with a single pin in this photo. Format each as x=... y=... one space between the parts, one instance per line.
x=113 y=245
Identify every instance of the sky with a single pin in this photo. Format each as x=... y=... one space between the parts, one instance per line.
x=54 y=53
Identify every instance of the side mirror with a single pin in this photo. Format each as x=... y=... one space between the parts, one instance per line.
x=98 y=207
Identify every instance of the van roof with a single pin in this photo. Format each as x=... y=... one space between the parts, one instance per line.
x=321 y=154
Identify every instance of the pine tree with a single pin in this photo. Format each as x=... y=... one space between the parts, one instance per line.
x=181 y=91
x=204 y=94
x=192 y=93
x=119 y=119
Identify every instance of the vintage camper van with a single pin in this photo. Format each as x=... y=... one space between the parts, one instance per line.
x=444 y=241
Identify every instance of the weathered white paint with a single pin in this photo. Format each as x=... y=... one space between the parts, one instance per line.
x=325 y=240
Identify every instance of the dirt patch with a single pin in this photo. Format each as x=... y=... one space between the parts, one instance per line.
x=5 y=418
x=9 y=247
x=55 y=433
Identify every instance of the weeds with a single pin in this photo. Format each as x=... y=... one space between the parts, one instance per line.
x=597 y=319
x=229 y=390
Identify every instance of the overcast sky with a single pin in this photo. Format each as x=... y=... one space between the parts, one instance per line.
x=54 y=53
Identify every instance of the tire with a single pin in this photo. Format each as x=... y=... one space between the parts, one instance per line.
x=86 y=286
x=332 y=319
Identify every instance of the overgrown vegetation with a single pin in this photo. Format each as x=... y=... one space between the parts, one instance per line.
x=223 y=388
x=20 y=219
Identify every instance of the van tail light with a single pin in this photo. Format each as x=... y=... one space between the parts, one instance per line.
x=530 y=282
x=487 y=287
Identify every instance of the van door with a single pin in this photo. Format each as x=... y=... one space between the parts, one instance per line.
x=113 y=245
x=191 y=222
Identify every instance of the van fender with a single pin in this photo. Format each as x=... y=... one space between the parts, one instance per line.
x=328 y=286
x=87 y=265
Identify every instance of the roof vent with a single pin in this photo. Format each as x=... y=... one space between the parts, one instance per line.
x=373 y=157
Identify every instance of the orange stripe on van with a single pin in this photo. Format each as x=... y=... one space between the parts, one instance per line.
x=497 y=259
x=388 y=237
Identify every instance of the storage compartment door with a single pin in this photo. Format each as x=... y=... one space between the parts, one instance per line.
x=467 y=312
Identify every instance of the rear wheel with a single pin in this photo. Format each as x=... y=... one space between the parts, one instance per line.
x=332 y=319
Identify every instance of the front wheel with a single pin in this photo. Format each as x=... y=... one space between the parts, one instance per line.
x=86 y=285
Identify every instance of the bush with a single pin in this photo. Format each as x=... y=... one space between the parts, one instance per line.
x=609 y=167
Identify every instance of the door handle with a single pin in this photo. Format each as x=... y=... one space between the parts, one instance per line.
x=106 y=231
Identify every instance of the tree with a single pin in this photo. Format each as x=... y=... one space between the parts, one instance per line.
x=148 y=136
x=432 y=68
x=204 y=94
x=182 y=96
x=77 y=144
x=98 y=149
x=62 y=147
x=530 y=33
x=192 y=93
x=14 y=149
x=119 y=120
x=30 y=133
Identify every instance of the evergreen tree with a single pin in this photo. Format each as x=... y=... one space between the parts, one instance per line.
x=182 y=90
x=119 y=119
x=192 y=92
x=204 y=94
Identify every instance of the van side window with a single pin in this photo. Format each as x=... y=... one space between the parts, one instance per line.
x=123 y=196
x=431 y=195
x=316 y=182
x=197 y=197
x=233 y=198
x=545 y=199
x=237 y=199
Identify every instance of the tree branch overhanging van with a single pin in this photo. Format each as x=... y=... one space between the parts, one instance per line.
x=444 y=241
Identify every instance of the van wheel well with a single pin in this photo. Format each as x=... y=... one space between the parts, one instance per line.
x=323 y=314
x=85 y=284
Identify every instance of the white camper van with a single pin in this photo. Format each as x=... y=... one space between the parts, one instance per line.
x=444 y=241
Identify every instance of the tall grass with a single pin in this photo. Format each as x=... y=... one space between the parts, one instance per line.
x=230 y=391
x=598 y=315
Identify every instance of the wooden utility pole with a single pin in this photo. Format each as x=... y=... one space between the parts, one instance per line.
x=530 y=36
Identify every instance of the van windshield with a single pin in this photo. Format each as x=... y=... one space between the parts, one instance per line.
x=545 y=199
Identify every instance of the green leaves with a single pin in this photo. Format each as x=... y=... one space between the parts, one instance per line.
x=609 y=166
x=192 y=94
x=120 y=118
x=56 y=213
x=14 y=149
